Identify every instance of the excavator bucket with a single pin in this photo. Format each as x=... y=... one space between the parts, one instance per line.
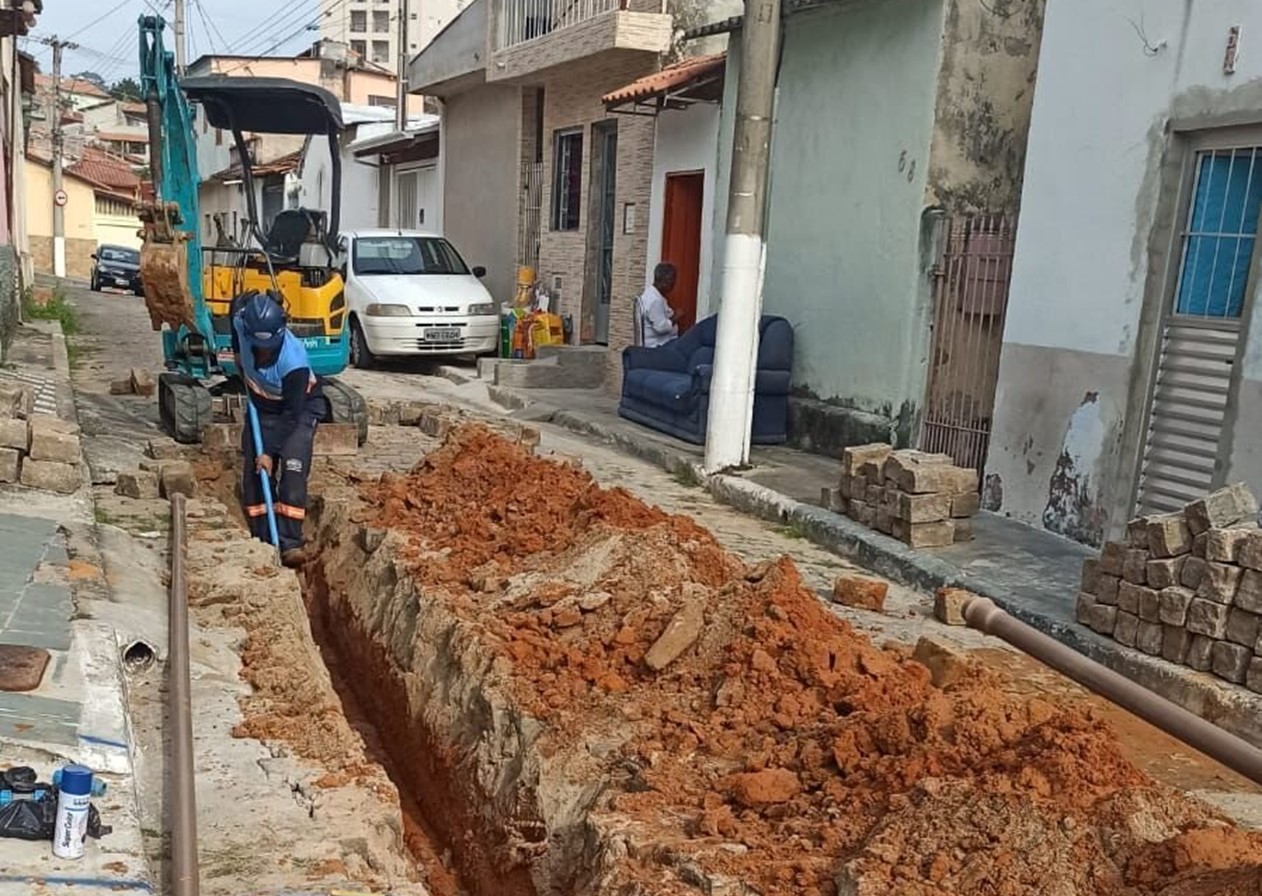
x=164 y=270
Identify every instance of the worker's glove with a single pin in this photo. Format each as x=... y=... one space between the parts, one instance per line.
x=263 y=462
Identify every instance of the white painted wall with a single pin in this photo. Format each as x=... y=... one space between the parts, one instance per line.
x=686 y=140
x=1114 y=81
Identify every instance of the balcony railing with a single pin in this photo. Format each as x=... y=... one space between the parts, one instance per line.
x=525 y=20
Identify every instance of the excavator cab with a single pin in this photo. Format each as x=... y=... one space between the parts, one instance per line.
x=190 y=289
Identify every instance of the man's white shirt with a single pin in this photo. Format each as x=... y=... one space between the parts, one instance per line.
x=653 y=319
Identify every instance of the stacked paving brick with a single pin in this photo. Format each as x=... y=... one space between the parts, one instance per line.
x=1185 y=586
x=921 y=499
x=36 y=451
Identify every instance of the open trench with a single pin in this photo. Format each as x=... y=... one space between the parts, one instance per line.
x=478 y=804
x=361 y=690
x=493 y=625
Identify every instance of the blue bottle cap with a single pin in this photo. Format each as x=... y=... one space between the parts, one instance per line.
x=76 y=780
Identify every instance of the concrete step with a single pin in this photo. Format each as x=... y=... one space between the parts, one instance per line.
x=555 y=367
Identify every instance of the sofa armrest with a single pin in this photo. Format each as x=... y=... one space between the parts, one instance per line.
x=773 y=382
x=637 y=357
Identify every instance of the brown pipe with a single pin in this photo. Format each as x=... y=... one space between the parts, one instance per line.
x=184 y=874
x=982 y=614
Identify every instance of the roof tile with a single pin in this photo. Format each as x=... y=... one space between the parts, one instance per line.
x=677 y=75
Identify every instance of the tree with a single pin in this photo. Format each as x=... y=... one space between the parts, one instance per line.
x=90 y=77
x=126 y=89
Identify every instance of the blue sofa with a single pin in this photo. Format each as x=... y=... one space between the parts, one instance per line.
x=668 y=388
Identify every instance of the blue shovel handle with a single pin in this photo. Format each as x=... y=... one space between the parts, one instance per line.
x=263 y=477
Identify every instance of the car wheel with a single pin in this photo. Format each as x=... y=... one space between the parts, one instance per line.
x=96 y=284
x=361 y=354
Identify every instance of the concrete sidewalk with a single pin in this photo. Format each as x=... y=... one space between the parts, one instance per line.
x=1030 y=573
x=50 y=578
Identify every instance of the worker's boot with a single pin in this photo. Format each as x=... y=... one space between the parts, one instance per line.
x=294 y=557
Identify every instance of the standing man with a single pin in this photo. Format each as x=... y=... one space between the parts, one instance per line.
x=654 y=318
x=278 y=376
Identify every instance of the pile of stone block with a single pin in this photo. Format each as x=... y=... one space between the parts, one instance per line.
x=1185 y=586
x=37 y=451
x=163 y=473
x=138 y=382
x=921 y=499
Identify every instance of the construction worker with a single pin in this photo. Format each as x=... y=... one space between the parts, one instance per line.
x=286 y=393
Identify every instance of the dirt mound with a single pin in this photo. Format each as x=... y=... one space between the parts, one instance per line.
x=776 y=744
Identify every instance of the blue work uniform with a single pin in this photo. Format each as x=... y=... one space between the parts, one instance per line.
x=287 y=396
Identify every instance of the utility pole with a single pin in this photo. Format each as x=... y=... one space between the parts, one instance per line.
x=401 y=112
x=736 y=347
x=179 y=38
x=59 y=149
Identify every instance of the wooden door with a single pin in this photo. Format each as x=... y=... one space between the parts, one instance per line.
x=681 y=241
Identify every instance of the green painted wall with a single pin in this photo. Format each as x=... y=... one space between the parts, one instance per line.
x=854 y=123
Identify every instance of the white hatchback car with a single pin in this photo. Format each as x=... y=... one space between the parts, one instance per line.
x=410 y=293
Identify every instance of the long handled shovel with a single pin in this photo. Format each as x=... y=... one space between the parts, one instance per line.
x=263 y=477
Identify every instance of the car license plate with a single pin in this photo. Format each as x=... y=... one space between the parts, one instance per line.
x=445 y=335
x=119 y=281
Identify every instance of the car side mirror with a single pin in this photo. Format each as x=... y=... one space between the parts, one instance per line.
x=479 y=271
x=94 y=256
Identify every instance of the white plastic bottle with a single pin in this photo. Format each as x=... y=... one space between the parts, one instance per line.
x=73 y=800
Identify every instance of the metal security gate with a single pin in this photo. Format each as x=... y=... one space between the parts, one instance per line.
x=970 y=283
x=1194 y=374
x=530 y=215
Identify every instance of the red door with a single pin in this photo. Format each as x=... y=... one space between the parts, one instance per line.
x=681 y=241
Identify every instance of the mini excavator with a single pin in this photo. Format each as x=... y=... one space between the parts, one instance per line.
x=189 y=289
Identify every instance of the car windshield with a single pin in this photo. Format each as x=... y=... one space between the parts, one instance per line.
x=126 y=256
x=406 y=255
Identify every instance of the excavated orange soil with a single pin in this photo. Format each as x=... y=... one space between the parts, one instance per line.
x=783 y=749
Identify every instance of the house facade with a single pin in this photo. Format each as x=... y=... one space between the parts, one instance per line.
x=283 y=177
x=119 y=127
x=536 y=171
x=684 y=102
x=371 y=27
x=400 y=170
x=899 y=134
x=101 y=199
x=1131 y=375
x=328 y=64
x=17 y=97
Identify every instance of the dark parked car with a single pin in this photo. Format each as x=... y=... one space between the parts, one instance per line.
x=116 y=267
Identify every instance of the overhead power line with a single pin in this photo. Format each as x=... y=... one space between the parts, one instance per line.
x=101 y=18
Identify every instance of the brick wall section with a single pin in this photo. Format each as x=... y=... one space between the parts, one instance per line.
x=571 y=99
x=78 y=256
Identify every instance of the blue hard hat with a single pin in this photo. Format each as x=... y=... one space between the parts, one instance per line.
x=264 y=321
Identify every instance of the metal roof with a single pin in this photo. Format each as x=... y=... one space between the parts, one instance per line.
x=265 y=105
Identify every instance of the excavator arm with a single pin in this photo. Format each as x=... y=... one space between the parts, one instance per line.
x=171 y=257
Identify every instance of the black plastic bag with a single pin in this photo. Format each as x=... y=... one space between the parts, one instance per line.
x=37 y=820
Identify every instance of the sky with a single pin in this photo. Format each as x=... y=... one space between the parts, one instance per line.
x=106 y=31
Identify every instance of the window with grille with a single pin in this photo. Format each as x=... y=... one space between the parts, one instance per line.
x=567 y=179
x=380 y=51
x=359 y=48
x=381 y=20
x=1221 y=227
x=359 y=21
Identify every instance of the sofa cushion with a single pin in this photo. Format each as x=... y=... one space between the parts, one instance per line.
x=660 y=388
